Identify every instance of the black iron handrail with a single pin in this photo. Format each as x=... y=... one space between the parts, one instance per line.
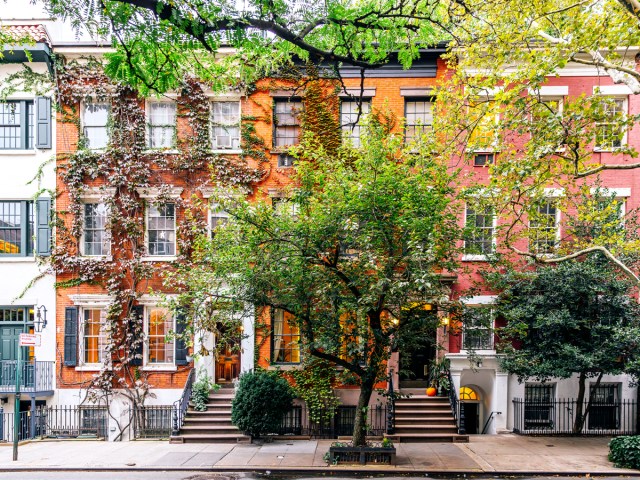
x=391 y=407
x=458 y=413
x=180 y=406
x=486 y=424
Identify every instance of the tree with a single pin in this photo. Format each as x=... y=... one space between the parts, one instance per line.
x=351 y=256
x=576 y=317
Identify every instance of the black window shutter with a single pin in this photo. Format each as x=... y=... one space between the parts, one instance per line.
x=181 y=345
x=138 y=350
x=43 y=122
x=71 y=336
x=43 y=233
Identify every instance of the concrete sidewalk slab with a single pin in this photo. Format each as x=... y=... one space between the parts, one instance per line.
x=484 y=454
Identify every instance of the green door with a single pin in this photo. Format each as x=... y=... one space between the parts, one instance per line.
x=9 y=337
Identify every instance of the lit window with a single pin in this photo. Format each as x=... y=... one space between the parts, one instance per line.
x=16 y=125
x=16 y=228
x=159 y=325
x=161 y=127
x=94 y=337
x=351 y=115
x=94 y=119
x=286 y=116
x=609 y=134
x=285 y=339
x=418 y=118
x=96 y=239
x=479 y=225
x=161 y=229
x=225 y=122
x=468 y=393
x=544 y=228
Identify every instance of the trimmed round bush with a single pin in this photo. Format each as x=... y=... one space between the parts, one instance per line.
x=262 y=398
x=624 y=452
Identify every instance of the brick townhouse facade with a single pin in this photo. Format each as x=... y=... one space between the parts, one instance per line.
x=125 y=213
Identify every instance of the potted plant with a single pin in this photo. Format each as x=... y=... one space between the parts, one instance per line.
x=374 y=452
x=439 y=376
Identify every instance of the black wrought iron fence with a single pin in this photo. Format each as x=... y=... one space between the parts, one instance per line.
x=154 y=421
x=57 y=422
x=558 y=417
x=331 y=424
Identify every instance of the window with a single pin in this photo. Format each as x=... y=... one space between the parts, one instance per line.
x=93 y=421
x=286 y=119
x=161 y=126
x=285 y=160
x=545 y=111
x=161 y=230
x=544 y=228
x=605 y=406
x=609 y=134
x=351 y=113
x=94 y=119
x=94 y=338
x=96 y=238
x=218 y=218
x=418 y=118
x=225 y=123
x=479 y=223
x=16 y=125
x=478 y=329
x=483 y=159
x=538 y=406
x=285 y=339
x=483 y=125
x=159 y=323
x=16 y=228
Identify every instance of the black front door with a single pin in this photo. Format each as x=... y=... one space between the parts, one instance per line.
x=471 y=417
x=415 y=366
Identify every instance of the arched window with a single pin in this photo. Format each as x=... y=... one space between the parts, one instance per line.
x=468 y=393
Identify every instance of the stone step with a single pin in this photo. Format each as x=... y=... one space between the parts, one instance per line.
x=215 y=406
x=207 y=421
x=422 y=412
x=210 y=429
x=413 y=420
x=402 y=430
x=428 y=437
x=208 y=438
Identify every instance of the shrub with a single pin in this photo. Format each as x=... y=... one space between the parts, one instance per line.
x=624 y=452
x=262 y=398
x=200 y=392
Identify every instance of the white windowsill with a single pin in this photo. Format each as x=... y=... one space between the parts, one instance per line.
x=226 y=152
x=16 y=259
x=478 y=352
x=285 y=367
x=9 y=152
x=475 y=258
x=608 y=149
x=165 y=367
x=89 y=258
x=90 y=367
x=168 y=151
x=159 y=258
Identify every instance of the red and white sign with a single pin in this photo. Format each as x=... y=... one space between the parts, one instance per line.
x=29 y=340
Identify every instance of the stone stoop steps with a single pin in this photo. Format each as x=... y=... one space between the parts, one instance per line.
x=213 y=425
x=425 y=419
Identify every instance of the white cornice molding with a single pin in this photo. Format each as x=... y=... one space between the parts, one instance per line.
x=90 y=299
x=608 y=191
x=97 y=193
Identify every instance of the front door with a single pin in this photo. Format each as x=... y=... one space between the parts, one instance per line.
x=471 y=417
x=228 y=362
x=415 y=367
x=9 y=341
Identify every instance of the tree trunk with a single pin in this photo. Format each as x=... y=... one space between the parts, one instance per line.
x=360 y=424
x=578 y=421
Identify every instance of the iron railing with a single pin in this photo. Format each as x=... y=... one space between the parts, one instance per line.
x=180 y=406
x=458 y=413
x=57 y=422
x=391 y=407
x=152 y=421
x=36 y=376
x=558 y=417
x=332 y=424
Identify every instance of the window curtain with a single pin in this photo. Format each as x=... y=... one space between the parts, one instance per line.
x=278 y=326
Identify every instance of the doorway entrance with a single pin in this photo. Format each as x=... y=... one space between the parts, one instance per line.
x=227 y=361
x=471 y=417
x=415 y=366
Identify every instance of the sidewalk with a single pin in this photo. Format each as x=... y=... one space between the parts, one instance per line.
x=489 y=454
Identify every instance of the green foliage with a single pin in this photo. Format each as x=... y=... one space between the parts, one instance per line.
x=201 y=389
x=314 y=384
x=261 y=399
x=624 y=452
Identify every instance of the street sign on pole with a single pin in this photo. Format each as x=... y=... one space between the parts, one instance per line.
x=29 y=340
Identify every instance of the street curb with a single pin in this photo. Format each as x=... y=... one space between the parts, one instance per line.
x=330 y=471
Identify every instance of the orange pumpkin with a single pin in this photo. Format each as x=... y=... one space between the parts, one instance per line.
x=431 y=392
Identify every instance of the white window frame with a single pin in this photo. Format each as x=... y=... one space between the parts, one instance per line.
x=83 y=109
x=349 y=128
x=146 y=345
x=107 y=232
x=81 y=336
x=155 y=257
x=549 y=198
x=216 y=211
x=474 y=303
x=625 y=134
x=466 y=257
x=212 y=126
x=148 y=127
